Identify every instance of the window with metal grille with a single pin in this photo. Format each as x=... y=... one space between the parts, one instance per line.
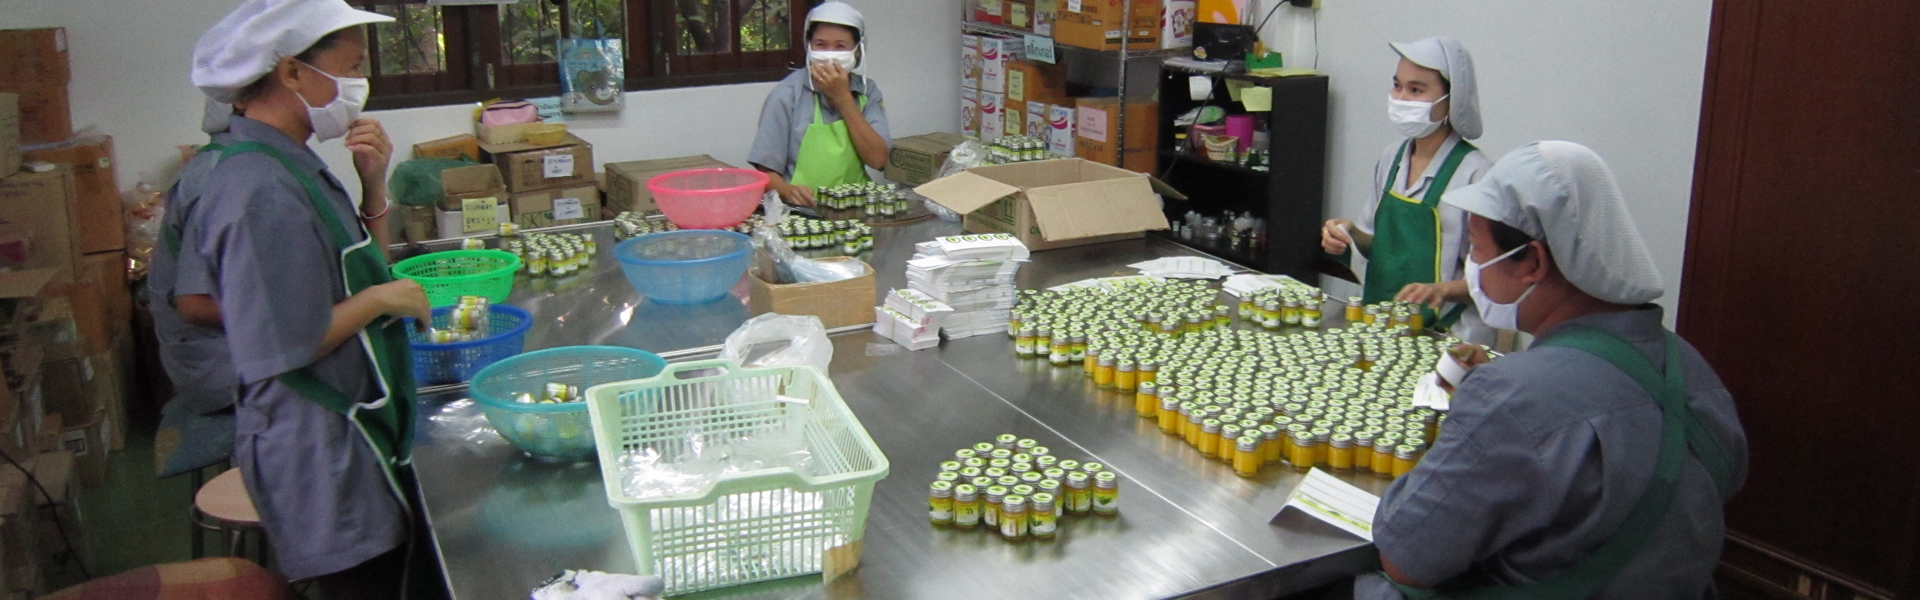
x=455 y=54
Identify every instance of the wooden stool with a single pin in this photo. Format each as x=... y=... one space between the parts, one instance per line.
x=223 y=505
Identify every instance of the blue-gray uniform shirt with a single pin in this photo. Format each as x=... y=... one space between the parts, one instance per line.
x=1544 y=454
x=789 y=110
x=195 y=357
x=321 y=492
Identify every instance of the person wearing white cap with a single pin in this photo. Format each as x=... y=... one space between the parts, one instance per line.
x=1594 y=464
x=267 y=248
x=824 y=125
x=1413 y=244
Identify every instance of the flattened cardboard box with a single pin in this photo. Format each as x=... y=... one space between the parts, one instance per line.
x=627 y=181
x=1054 y=203
x=459 y=147
x=837 y=303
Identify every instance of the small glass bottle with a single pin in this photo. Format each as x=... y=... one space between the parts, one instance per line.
x=1340 y=452
x=1229 y=441
x=966 y=506
x=1169 y=414
x=1310 y=313
x=1210 y=438
x=1077 y=347
x=1148 y=371
x=1405 y=457
x=1273 y=446
x=1246 y=461
x=1302 y=452
x=1043 y=521
x=1322 y=451
x=940 y=503
x=1146 y=402
x=1125 y=378
x=1060 y=351
x=1052 y=487
x=1356 y=313
x=1092 y=361
x=1195 y=419
x=1042 y=340
x=1013 y=518
x=951 y=465
x=1196 y=324
x=1383 y=455
x=990 y=514
x=1023 y=343
x=1363 y=451
x=1103 y=372
x=1079 y=493
x=1004 y=441
x=1106 y=493
x=1014 y=321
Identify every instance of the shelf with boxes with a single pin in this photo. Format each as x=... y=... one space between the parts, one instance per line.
x=1263 y=213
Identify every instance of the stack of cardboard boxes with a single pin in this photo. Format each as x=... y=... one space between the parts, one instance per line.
x=547 y=184
x=66 y=309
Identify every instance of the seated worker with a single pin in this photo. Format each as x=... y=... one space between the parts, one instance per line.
x=1595 y=464
x=823 y=126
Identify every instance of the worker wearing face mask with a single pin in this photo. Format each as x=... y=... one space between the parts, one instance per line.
x=271 y=251
x=824 y=125
x=1594 y=464
x=1413 y=244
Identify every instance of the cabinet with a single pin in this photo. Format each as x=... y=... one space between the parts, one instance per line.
x=1289 y=195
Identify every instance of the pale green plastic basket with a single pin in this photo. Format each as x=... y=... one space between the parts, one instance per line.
x=748 y=527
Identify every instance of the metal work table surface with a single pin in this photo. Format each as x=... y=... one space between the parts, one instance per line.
x=1188 y=527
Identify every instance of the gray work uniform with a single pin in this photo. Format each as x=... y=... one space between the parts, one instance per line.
x=1543 y=456
x=1453 y=220
x=789 y=110
x=195 y=357
x=320 y=489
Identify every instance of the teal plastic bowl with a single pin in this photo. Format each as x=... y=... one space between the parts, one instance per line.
x=554 y=432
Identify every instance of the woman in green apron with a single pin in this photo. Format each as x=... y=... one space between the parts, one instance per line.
x=323 y=424
x=1413 y=244
x=824 y=125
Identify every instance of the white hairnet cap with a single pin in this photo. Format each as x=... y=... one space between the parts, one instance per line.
x=1446 y=55
x=838 y=13
x=1563 y=194
x=248 y=42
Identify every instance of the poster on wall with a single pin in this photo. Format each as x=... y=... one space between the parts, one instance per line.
x=592 y=75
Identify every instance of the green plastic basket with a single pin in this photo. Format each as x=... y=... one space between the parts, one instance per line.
x=448 y=275
x=746 y=527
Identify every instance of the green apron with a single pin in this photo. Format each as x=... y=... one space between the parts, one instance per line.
x=1407 y=236
x=827 y=156
x=387 y=422
x=1680 y=433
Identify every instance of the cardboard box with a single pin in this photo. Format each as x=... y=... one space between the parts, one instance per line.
x=529 y=167
x=969 y=112
x=46 y=114
x=500 y=135
x=413 y=223
x=88 y=443
x=1015 y=122
x=460 y=184
x=108 y=271
x=560 y=206
x=455 y=224
x=44 y=203
x=64 y=387
x=1054 y=203
x=838 y=303
x=1098 y=139
x=993 y=116
x=1036 y=126
x=9 y=134
x=23 y=298
x=1020 y=14
x=994 y=55
x=970 y=64
x=1034 y=81
x=1044 y=12
x=1176 y=23
x=54 y=331
x=34 y=57
x=101 y=224
x=990 y=11
x=1097 y=25
x=459 y=147
x=1060 y=138
x=627 y=181
x=916 y=160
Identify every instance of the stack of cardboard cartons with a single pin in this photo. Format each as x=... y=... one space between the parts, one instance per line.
x=548 y=184
x=33 y=65
x=1097 y=135
x=1097 y=24
x=1033 y=90
x=473 y=202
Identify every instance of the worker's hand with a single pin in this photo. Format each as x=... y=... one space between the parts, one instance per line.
x=1467 y=355
x=404 y=299
x=797 y=195
x=831 y=80
x=371 y=151
x=1430 y=294
x=1336 y=236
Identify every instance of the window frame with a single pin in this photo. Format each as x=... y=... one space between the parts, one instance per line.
x=476 y=57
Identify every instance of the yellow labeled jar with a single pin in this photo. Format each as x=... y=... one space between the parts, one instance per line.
x=1146 y=402
x=1106 y=493
x=990 y=514
x=1246 y=460
x=1079 y=493
x=1013 y=518
x=1125 y=378
x=966 y=506
x=1340 y=452
x=1405 y=458
x=940 y=503
x=1169 y=414
x=1043 y=522
x=1301 y=452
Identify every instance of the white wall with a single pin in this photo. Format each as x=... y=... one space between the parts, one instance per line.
x=131 y=58
x=1623 y=77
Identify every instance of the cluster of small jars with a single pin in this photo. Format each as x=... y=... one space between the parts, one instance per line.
x=1018 y=489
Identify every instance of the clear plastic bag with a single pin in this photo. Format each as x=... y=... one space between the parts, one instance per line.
x=776 y=262
x=777 y=340
x=647 y=473
x=969 y=154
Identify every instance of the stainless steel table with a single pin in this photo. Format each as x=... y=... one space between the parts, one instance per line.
x=1188 y=527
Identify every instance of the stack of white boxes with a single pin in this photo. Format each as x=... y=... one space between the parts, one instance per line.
x=911 y=319
x=974 y=275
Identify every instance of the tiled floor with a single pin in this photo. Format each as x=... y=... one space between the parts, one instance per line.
x=136 y=519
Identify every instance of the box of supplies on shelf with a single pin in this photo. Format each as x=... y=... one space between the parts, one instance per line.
x=1054 y=203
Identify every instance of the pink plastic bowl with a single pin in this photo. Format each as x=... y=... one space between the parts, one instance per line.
x=708 y=198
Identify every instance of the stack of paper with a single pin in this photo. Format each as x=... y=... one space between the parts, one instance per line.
x=973 y=275
x=1243 y=284
x=1184 y=267
x=911 y=318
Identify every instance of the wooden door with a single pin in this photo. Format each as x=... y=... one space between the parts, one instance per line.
x=1802 y=286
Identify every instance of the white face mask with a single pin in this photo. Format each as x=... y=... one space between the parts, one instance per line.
x=1415 y=119
x=333 y=120
x=1501 y=316
x=844 y=58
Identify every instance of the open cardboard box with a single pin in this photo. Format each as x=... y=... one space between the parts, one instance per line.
x=1054 y=203
x=838 y=303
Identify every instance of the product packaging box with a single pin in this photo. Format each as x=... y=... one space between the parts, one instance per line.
x=993 y=116
x=841 y=303
x=1176 y=24
x=995 y=53
x=100 y=223
x=459 y=147
x=34 y=65
x=969 y=112
x=1054 y=203
x=916 y=160
x=627 y=181
x=44 y=204
x=1097 y=138
x=558 y=206
x=970 y=64
x=1096 y=25
x=1034 y=81
x=1060 y=121
x=529 y=167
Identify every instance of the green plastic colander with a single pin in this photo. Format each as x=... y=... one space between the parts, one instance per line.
x=446 y=276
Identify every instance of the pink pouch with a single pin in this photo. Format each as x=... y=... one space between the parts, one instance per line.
x=510 y=113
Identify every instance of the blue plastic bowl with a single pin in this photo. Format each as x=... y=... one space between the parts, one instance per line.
x=684 y=267
x=439 y=364
x=554 y=432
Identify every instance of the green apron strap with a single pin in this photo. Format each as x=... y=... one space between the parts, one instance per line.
x=1593 y=573
x=1407 y=236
